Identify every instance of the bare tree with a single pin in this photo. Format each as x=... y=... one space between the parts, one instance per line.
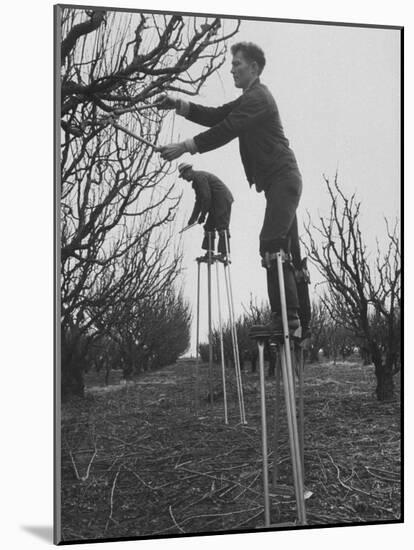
x=319 y=324
x=254 y=314
x=362 y=297
x=166 y=320
x=113 y=60
x=116 y=210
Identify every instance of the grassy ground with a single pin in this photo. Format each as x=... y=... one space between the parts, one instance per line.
x=139 y=460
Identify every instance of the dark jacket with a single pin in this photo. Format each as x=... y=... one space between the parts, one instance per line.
x=211 y=193
x=254 y=119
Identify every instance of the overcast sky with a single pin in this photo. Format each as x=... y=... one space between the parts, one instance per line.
x=338 y=93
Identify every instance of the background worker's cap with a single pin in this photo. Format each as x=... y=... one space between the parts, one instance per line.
x=183 y=167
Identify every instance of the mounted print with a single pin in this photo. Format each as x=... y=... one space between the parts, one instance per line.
x=228 y=274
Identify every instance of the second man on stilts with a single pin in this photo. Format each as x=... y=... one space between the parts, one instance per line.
x=213 y=200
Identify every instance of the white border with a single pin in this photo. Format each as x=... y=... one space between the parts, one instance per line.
x=27 y=280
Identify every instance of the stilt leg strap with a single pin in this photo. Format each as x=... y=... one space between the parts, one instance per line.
x=270 y=258
x=302 y=275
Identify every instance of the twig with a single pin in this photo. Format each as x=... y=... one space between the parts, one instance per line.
x=383 y=478
x=140 y=479
x=88 y=469
x=248 y=487
x=228 y=490
x=74 y=465
x=248 y=519
x=110 y=518
x=85 y=477
x=178 y=459
x=194 y=503
x=216 y=456
x=348 y=487
x=221 y=515
x=113 y=491
x=323 y=467
x=216 y=478
x=244 y=465
x=173 y=518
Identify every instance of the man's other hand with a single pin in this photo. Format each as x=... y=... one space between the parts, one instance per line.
x=173 y=151
x=166 y=102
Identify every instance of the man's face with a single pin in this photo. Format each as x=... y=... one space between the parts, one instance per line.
x=187 y=175
x=243 y=71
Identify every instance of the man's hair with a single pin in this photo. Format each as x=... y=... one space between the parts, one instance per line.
x=251 y=52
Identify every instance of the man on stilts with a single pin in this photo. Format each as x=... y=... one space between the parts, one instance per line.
x=269 y=164
x=213 y=200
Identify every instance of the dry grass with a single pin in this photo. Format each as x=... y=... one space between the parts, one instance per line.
x=139 y=461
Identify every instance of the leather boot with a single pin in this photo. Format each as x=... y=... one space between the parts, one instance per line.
x=222 y=244
x=206 y=242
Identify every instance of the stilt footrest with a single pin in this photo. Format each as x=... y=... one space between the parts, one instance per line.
x=264 y=332
x=213 y=258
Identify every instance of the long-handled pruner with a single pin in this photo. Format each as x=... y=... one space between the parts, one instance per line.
x=135 y=136
x=112 y=117
x=187 y=227
x=118 y=112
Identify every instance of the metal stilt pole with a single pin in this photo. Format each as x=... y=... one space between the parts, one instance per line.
x=260 y=334
x=297 y=368
x=260 y=344
x=223 y=369
x=290 y=399
x=210 y=334
x=197 y=381
x=276 y=422
x=239 y=381
x=301 y=410
x=239 y=397
x=211 y=258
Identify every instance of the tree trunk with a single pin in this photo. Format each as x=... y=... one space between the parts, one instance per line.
x=314 y=354
x=107 y=373
x=72 y=358
x=365 y=356
x=127 y=369
x=385 y=381
x=272 y=356
x=72 y=383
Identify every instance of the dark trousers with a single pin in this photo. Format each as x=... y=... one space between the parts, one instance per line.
x=302 y=285
x=218 y=219
x=280 y=230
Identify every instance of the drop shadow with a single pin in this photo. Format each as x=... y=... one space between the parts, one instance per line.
x=44 y=532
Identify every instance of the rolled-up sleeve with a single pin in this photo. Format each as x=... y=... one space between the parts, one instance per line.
x=183 y=107
x=190 y=146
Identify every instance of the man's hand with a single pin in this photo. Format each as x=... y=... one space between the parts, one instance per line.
x=173 y=151
x=166 y=102
x=201 y=219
